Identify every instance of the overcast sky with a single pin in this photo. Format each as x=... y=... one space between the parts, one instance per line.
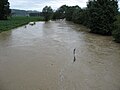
x=39 y=4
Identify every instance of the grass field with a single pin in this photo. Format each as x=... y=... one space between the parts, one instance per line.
x=16 y=22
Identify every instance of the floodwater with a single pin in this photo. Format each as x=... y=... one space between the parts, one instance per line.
x=58 y=55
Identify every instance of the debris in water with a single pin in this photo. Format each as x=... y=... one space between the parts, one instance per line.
x=74 y=59
x=32 y=23
x=74 y=51
x=74 y=55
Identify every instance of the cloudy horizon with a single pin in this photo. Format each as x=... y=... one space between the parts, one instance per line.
x=40 y=4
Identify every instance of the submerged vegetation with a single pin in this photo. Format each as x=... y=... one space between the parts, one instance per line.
x=16 y=22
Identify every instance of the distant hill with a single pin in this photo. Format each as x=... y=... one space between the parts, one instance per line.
x=17 y=12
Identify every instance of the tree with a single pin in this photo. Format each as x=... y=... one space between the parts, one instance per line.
x=4 y=9
x=47 y=13
x=56 y=15
x=102 y=15
x=60 y=12
x=84 y=17
x=69 y=12
x=76 y=14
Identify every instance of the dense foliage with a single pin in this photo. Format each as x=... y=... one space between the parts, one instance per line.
x=47 y=13
x=99 y=16
x=102 y=15
x=116 y=31
x=4 y=9
x=60 y=13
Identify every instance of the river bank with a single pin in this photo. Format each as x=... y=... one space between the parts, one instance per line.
x=15 y=22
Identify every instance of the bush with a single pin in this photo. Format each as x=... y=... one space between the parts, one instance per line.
x=116 y=34
x=116 y=31
x=102 y=16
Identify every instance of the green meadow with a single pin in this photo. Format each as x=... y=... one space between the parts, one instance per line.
x=16 y=22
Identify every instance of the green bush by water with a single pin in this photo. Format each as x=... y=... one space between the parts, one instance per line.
x=116 y=31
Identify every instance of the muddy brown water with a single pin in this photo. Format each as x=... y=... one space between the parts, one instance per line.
x=40 y=57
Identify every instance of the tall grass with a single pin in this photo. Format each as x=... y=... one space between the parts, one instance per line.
x=16 y=22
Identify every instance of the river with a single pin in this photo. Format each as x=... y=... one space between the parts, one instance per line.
x=58 y=55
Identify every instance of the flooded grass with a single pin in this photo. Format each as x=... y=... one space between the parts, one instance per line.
x=16 y=22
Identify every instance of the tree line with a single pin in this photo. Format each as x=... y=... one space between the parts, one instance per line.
x=99 y=15
x=4 y=9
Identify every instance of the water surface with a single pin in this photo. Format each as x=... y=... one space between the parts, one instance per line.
x=40 y=57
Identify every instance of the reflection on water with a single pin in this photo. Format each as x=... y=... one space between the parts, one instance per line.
x=40 y=57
